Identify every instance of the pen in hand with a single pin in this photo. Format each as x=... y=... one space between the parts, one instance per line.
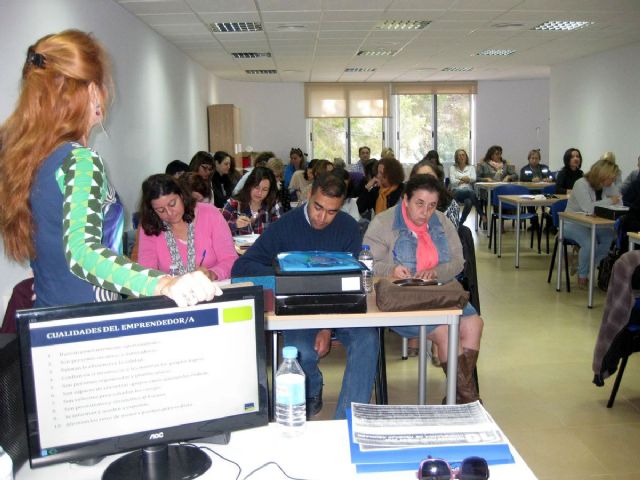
x=204 y=254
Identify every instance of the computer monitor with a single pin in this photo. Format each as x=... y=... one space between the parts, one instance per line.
x=104 y=378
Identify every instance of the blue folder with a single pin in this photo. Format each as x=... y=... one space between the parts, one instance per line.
x=370 y=461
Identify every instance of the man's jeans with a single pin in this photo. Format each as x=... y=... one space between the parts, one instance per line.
x=362 y=360
x=582 y=236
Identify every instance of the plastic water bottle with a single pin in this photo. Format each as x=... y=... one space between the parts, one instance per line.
x=291 y=406
x=6 y=466
x=366 y=258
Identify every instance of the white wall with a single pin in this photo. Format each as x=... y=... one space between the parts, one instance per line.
x=159 y=111
x=514 y=115
x=271 y=114
x=595 y=106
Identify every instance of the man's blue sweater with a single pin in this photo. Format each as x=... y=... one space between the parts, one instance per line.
x=293 y=232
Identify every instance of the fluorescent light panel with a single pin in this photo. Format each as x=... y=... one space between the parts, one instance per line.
x=251 y=55
x=562 y=25
x=235 y=27
x=261 y=72
x=402 y=24
x=496 y=52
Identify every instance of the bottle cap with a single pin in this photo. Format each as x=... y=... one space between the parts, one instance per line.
x=365 y=247
x=290 y=352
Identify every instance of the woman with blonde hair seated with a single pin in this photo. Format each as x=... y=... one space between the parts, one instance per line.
x=595 y=188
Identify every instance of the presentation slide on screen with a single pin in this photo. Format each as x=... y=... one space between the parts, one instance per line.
x=111 y=375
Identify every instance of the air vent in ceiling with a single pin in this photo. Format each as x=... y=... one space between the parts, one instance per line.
x=235 y=27
x=456 y=69
x=251 y=55
x=359 y=70
x=376 y=53
x=402 y=24
x=496 y=52
x=562 y=25
x=261 y=72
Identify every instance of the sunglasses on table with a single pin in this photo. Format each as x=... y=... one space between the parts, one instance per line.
x=471 y=468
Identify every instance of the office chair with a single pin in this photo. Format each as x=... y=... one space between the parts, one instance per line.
x=510 y=212
x=13 y=428
x=556 y=208
x=546 y=223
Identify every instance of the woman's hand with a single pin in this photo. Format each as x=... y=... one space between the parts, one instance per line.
x=210 y=275
x=430 y=274
x=372 y=183
x=243 y=221
x=323 y=342
x=400 y=271
x=615 y=199
x=188 y=289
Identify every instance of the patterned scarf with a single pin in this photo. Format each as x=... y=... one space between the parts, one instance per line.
x=176 y=259
x=383 y=194
x=426 y=252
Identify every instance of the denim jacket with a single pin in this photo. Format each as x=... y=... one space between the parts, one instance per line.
x=404 y=249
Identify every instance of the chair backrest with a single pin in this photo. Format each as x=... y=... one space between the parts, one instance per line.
x=556 y=208
x=549 y=189
x=508 y=190
x=469 y=276
x=13 y=428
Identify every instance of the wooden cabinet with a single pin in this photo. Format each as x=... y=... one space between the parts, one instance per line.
x=224 y=128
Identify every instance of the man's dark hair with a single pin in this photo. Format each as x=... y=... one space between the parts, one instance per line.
x=330 y=184
x=177 y=166
x=423 y=182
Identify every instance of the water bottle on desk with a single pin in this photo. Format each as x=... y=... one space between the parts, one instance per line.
x=366 y=258
x=6 y=466
x=291 y=406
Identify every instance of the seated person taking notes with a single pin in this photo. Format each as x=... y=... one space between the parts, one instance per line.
x=413 y=239
x=319 y=225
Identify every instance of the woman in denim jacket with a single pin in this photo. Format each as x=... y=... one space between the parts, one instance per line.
x=414 y=240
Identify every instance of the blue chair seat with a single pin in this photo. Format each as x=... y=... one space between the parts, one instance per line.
x=508 y=215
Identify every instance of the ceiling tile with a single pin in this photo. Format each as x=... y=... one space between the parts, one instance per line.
x=173 y=30
x=289 y=17
x=222 y=5
x=289 y=5
x=214 y=17
x=169 y=19
x=176 y=6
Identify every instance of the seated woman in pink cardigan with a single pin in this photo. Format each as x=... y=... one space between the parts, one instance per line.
x=179 y=235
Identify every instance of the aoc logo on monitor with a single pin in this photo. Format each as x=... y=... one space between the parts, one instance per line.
x=156 y=436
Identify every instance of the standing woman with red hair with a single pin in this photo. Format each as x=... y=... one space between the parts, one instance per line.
x=59 y=210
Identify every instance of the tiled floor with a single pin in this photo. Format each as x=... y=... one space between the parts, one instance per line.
x=535 y=373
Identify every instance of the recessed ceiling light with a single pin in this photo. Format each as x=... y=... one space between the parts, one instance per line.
x=376 y=53
x=564 y=25
x=402 y=24
x=291 y=28
x=261 y=72
x=251 y=55
x=496 y=52
x=235 y=27
x=456 y=69
x=359 y=70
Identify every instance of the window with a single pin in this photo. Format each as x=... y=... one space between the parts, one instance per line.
x=342 y=137
x=345 y=116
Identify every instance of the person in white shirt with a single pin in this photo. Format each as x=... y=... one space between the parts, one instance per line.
x=462 y=176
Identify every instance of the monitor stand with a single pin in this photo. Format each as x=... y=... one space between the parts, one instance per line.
x=159 y=462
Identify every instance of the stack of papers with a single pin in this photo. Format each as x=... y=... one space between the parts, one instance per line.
x=245 y=240
x=398 y=437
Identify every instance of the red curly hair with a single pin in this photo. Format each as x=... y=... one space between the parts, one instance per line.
x=65 y=75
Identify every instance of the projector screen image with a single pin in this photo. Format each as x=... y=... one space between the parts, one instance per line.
x=127 y=379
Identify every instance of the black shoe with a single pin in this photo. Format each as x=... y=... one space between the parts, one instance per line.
x=314 y=405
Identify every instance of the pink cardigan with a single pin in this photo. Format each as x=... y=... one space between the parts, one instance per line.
x=212 y=234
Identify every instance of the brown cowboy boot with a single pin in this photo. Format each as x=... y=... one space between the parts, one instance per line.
x=466 y=387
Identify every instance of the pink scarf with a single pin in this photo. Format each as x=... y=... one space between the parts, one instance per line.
x=426 y=252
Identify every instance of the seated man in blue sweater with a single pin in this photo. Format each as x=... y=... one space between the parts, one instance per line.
x=319 y=225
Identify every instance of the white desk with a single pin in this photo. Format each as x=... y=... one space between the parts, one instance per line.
x=520 y=201
x=588 y=221
x=320 y=453
x=634 y=239
x=376 y=318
